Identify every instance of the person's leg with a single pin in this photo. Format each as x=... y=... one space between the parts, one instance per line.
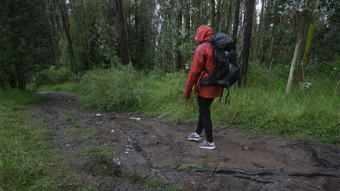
x=199 y=128
x=204 y=121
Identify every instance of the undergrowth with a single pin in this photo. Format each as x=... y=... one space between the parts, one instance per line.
x=311 y=111
x=27 y=161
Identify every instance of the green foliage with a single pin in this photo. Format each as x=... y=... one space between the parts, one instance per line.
x=113 y=89
x=149 y=183
x=53 y=76
x=14 y=98
x=311 y=111
x=187 y=50
x=24 y=33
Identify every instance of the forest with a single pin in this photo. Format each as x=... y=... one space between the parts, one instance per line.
x=91 y=95
x=134 y=55
x=42 y=37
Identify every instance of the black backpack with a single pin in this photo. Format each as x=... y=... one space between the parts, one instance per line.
x=227 y=69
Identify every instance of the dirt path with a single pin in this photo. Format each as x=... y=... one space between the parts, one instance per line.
x=101 y=148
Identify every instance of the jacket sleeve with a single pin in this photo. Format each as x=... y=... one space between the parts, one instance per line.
x=195 y=71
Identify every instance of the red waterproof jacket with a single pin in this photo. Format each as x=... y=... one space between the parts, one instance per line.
x=203 y=57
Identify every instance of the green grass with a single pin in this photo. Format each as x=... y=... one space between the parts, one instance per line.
x=76 y=127
x=63 y=87
x=149 y=183
x=188 y=166
x=27 y=161
x=260 y=107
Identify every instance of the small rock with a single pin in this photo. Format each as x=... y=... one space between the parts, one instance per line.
x=128 y=146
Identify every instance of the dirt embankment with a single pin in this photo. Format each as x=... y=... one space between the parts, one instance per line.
x=157 y=148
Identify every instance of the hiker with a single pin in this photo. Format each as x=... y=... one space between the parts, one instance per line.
x=203 y=59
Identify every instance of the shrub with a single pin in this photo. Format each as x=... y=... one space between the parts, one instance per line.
x=113 y=89
x=53 y=76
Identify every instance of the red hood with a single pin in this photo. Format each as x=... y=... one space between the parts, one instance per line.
x=203 y=33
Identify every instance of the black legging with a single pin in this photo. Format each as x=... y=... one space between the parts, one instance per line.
x=204 y=119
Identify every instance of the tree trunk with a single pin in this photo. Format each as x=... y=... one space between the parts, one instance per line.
x=229 y=17
x=218 y=15
x=123 y=39
x=12 y=81
x=179 y=56
x=259 y=35
x=236 y=20
x=306 y=55
x=186 y=19
x=296 y=51
x=138 y=34
x=20 y=75
x=248 y=21
x=2 y=84
x=212 y=14
x=66 y=26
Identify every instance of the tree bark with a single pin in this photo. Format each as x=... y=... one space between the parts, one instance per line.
x=296 y=51
x=306 y=55
x=236 y=20
x=212 y=14
x=123 y=39
x=66 y=26
x=258 y=45
x=138 y=33
x=2 y=84
x=12 y=80
x=229 y=17
x=186 y=19
x=179 y=57
x=248 y=21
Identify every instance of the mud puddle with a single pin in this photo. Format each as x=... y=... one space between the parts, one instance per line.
x=102 y=148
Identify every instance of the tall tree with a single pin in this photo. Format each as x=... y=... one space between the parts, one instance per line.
x=212 y=14
x=236 y=19
x=24 y=39
x=248 y=21
x=66 y=26
x=259 y=36
x=306 y=55
x=123 y=39
x=179 y=57
x=296 y=50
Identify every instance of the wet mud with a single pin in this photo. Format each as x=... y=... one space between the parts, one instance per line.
x=157 y=148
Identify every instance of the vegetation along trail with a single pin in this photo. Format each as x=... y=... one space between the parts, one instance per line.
x=135 y=152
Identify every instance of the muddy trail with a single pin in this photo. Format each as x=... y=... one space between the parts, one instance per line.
x=121 y=151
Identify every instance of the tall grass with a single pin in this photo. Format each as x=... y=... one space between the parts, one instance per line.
x=115 y=89
x=261 y=106
x=26 y=160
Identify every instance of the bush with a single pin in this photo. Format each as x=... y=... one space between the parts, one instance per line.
x=113 y=89
x=53 y=76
